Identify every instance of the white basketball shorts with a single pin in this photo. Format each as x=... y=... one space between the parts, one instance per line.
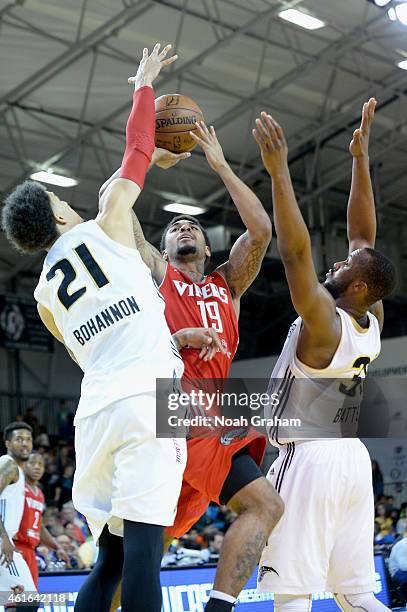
x=16 y=574
x=122 y=470
x=324 y=541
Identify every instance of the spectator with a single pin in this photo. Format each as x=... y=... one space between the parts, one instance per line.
x=383 y=520
x=398 y=567
x=75 y=533
x=215 y=541
x=63 y=490
x=378 y=484
x=32 y=420
x=42 y=440
x=70 y=515
x=71 y=548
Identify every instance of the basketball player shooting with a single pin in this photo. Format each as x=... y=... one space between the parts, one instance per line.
x=219 y=469
x=15 y=575
x=324 y=542
x=97 y=296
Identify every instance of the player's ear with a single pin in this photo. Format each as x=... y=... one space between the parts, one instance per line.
x=59 y=220
x=207 y=251
x=359 y=286
x=165 y=255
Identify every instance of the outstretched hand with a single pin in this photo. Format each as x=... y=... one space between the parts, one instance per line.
x=270 y=137
x=359 y=145
x=211 y=146
x=151 y=65
x=166 y=159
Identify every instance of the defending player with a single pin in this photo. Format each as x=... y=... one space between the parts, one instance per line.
x=14 y=572
x=32 y=531
x=96 y=295
x=324 y=541
x=218 y=469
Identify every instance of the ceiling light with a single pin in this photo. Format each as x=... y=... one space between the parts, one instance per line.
x=382 y=2
x=401 y=13
x=304 y=20
x=184 y=209
x=392 y=14
x=54 y=179
x=402 y=65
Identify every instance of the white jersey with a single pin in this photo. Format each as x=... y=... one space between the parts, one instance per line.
x=110 y=315
x=12 y=502
x=327 y=402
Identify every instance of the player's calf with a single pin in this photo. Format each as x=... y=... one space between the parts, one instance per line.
x=259 y=508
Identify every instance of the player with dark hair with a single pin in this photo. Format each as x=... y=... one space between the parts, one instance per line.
x=14 y=572
x=96 y=296
x=32 y=531
x=324 y=542
x=220 y=468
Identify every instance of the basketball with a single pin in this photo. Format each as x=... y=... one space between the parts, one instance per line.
x=175 y=117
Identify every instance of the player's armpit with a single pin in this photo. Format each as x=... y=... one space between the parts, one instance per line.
x=244 y=262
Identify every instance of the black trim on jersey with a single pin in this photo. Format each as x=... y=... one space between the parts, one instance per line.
x=285 y=465
x=284 y=395
x=12 y=568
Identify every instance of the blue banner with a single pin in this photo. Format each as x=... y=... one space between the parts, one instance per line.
x=187 y=590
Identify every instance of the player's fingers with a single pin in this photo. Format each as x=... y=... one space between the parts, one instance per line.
x=156 y=49
x=197 y=139
x=145 y=53
x=263 y=130
x=169 y=61
x=213 y=131
x=279 y=130
x=165 y=51
x=365 y=118
x=271 y=125
x=204 y=128
x=200 y=129
x=258 y=138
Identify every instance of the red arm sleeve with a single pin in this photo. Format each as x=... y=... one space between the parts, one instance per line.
x=140 y=133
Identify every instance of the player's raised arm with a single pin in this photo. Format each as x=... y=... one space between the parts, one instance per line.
x=151 y=256
x=310 y=299
x=119 y=197
x=8 y=475
x=361 y=204
x=248 y=251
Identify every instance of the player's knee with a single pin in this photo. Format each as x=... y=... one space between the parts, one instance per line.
x=260 y=498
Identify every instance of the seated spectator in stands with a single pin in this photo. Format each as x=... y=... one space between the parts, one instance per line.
x=32 y=420
x=383 y=519
x=401 y=526
x=215 y=541
x=70 y=515
x=44 y=557
x=75 y=533
x=42 y=440
x=50 y=481
x=63 y=491
x=88 y=552
x=382 y=538
x=398 y=567
x=71 y=548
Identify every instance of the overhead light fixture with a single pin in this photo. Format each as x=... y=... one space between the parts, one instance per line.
x=401 y=13
x=392 y=14
x=382 y=2
x=403 y=64
x=184 y=209
x=304 y=20
x=49 y=176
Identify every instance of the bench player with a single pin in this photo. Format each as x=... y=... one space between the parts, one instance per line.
x=14 y=572
x=97 y=296
x=32 y=531
x=219 y=469
x=324 y=542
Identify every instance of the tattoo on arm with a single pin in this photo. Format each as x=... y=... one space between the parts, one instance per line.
x=244 y=263
x=150 y=255
x=8 y=475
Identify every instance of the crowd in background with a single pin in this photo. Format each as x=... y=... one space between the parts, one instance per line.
x=202 y=544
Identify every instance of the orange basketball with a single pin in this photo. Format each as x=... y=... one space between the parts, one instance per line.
x=175 y=117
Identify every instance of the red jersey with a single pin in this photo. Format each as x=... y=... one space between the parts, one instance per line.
x=205 y=304
x=30 y=526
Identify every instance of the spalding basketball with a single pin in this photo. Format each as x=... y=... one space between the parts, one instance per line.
x=175 y=117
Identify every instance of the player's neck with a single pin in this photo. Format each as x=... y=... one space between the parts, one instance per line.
x=194 y=269
x=33 y=484
x=358 y=313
